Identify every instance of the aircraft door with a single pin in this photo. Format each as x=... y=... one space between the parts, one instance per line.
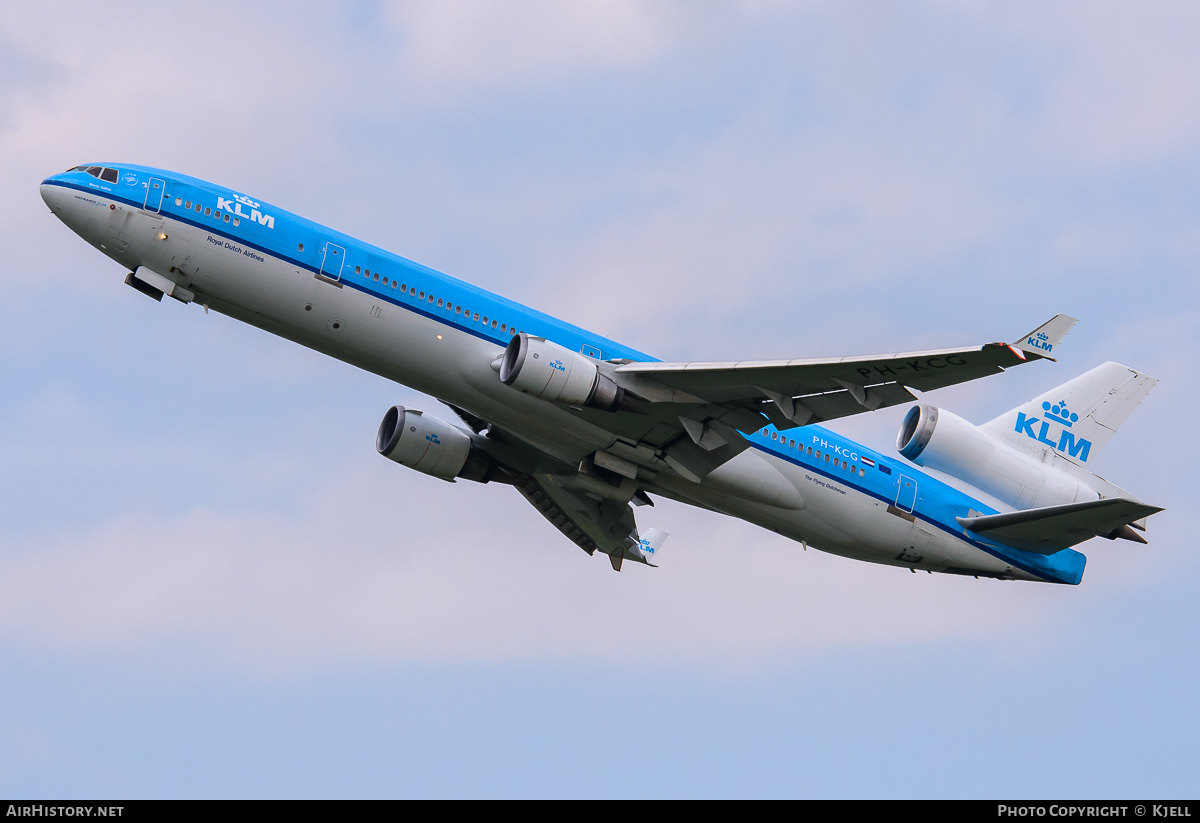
x=331 y=263
x=155 y=189
x=906 y=494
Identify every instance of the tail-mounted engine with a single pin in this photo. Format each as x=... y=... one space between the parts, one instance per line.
x=551 y=372
x=940 y=440
x=431 y=446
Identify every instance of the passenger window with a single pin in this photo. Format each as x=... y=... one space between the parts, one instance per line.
x=393 y=284
x=188 y=204
x=198 y=209
x=843 y=465
x=827 y=457
x=412 y=290
x=358 y=270
x=792 y=444
x=226 y=218
x=439 y=302
x=503 y=327
x=237 y=222
x=476 y=316
x=376 y=277
x=301 y=247
x=774 y=435
x=110 y=176
x=862 y=471
x=493 y=324
x=208 y=211
x=485 y=320
x=403 y=287
x=810 y=449
x=431 y=298
x=458 y=309
x=422 y=295
x=178 y=200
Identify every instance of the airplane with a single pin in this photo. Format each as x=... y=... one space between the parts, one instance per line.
x=586 y=429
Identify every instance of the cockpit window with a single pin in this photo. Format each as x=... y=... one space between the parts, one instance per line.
x=107 y=175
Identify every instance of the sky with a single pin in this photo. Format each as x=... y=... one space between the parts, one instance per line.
x=212 y=586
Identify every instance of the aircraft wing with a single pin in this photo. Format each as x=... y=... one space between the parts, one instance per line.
x=1053 y=528
x=690 y=418
x=591 y=524
x=798 y=392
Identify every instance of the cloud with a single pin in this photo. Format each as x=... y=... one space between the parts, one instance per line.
x=459 y=46
x=381 y=566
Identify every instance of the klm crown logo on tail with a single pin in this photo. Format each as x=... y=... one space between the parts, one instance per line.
x=1077 y=418
x=1056 y=413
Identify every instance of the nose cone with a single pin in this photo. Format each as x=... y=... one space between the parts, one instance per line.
x=53 y=193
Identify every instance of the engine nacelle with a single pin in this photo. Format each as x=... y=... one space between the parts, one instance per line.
x=551 y=372
x=940 y=440
x=431 y=446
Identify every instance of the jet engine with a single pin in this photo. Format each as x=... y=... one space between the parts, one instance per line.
x=431 y=446
x=551 y=372
x=938 y=439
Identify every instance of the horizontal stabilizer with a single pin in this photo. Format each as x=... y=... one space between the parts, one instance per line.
x=1053 y=528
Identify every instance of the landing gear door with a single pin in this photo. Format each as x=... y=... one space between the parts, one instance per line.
x=331 y=263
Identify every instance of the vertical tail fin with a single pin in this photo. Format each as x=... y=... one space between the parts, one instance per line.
x=1076 y=419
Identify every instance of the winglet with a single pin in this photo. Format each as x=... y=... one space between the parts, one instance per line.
x=1042 y=340
x=649 y=547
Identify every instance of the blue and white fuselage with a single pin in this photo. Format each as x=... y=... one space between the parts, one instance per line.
x=406 y=322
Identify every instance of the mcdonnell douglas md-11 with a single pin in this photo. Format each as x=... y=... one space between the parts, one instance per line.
x=588 y=429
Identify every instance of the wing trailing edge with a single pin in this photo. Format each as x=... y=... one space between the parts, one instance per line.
x=790 y=393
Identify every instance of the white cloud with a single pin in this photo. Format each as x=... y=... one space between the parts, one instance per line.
x=466 y=45
x=392 y=568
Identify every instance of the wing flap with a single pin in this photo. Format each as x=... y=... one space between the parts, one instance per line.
x=1053 y=528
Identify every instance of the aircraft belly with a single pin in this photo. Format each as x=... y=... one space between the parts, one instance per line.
x=839 y=519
